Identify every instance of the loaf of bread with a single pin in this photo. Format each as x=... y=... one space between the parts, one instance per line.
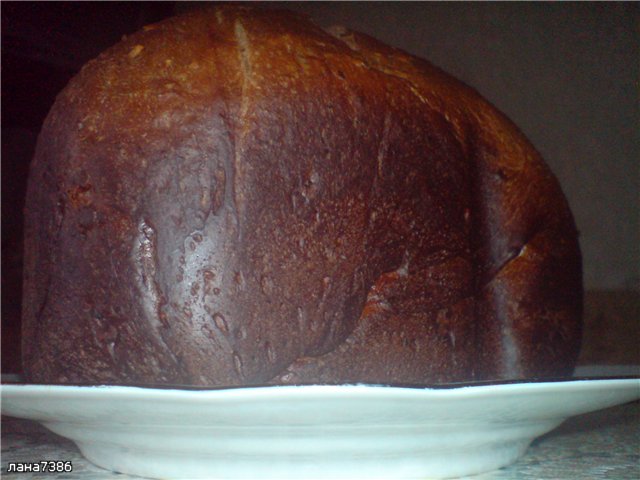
x=235 y=196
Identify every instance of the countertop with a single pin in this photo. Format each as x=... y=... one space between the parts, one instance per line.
x=599 y=445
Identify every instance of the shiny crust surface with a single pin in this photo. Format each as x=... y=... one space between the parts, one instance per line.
x=236 y=197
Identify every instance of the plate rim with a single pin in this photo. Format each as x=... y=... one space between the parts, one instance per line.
x=410 y=422
x=472 y=389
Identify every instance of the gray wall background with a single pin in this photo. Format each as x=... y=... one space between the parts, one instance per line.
x=566 y=73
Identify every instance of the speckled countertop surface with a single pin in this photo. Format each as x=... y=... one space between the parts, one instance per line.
x=603 y=444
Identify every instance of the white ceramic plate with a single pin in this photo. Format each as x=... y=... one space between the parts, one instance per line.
x=310 y=431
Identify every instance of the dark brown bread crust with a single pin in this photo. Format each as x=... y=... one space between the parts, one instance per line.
x=235 y=196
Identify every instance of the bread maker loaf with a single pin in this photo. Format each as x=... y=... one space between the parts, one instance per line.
x=236 y=196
